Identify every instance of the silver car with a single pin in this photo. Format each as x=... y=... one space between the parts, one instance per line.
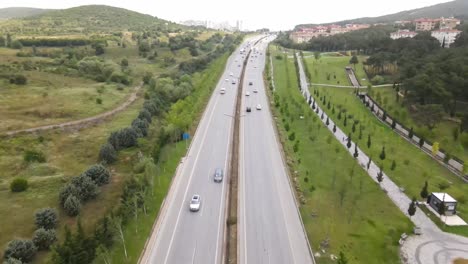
x=218 y=175
x=195 y=203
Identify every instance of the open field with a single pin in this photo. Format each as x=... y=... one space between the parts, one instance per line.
x=343 y=207
x=67 y=154
x=329 y=69
x=413 y=167
x=442 y=133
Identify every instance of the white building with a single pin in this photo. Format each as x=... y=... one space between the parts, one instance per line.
x=445 y=36
x=402 y=34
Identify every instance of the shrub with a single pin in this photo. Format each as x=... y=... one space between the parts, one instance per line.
x=141 y=127
x=23 y=250
x=18 y=79
x=86 y=187
x=66 y=191
x=34 y=156
x=292 y=136
x=98 y=101
x=99 y=174
x=43 y=238
x=19 y=185
x=464 y=140
x=107 y=154
x=145 y=115
x=12 y=261
x=72 y=206
x=46 y=218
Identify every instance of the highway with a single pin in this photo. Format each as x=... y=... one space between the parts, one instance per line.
x=270 y=228
x=182 y=236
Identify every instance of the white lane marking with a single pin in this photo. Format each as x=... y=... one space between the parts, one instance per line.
x=193 y=255
x=222 y=192
x=190 y=180
x=243 y=190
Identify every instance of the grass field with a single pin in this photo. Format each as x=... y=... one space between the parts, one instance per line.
x=330 y=69
x=68 y=154
x=343 y=206
x=413 y=167
x=442 y=133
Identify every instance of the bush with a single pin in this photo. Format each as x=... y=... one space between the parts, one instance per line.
x=12 y=261
x=43 y=238
x=66 y=191
x=128 y=137
x=145 y=115
x=98 y=101
x=464 y=140
x=141 y=127
x=99 y=174
x=34 y=156
x=19 y=79
x=46 y=218
x=107 y=154
x=23 y=250
x=72 y=206
x=19 y=185
x=86 y=187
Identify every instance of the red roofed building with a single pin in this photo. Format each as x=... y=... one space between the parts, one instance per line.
x=425 y=24
x=445 y=36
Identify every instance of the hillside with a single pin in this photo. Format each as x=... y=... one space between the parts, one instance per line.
x=18 y=12
x=85 y=19
x=457 y=8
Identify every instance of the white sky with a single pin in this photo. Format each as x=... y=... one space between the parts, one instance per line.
x=276 y=15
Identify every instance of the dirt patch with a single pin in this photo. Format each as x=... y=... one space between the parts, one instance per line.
x=460 y=261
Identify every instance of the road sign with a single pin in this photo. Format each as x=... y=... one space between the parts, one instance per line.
x=185 y=136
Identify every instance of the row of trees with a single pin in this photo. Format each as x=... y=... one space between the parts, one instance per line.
x=22 y=250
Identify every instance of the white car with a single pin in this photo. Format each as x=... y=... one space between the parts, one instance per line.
x=227 y=80
x=223 y=90
x=259 y=107
x=247 y=93
x=231 y=74
x=195 y=203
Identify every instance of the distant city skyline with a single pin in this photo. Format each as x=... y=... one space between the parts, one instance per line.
x=253 y=14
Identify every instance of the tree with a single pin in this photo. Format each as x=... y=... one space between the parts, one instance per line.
x=124 y=62
x=429 y=115
x=16 y=44
x=117 y=225
x=345 y=120
x=317 y=55
x=140 y=126
x=348 y=144
x=412 y=207
x=334 y=128
x=393 y=123
x=369 y=141
x=86 y=187
x=23 y=250
x=99 y=174
x=369 y=163
x=327 y=122
x=393 y=167
x=354 y=127
x=380 y=175
x=382 y=153
x=354 y=60
x=46 y=218
x=435 y=148
x=342 y=258
x=441 y=208
x=12 y=261
x=72 y=206
x=421 y=142
x=107 y=154
x=424 y=192
x=44 y=238
x=411 y=133
x=356 y=153
x=19 y=185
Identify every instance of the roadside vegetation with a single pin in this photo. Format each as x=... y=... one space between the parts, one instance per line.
x=343 y=210
x=106 y=182
x=407 y=166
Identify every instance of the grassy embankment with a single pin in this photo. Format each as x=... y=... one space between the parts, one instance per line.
x=342 y=204
x=413 y=167
x=442 y=133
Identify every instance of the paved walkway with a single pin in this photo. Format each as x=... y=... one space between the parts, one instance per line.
x=81 y=123
x=434 y=245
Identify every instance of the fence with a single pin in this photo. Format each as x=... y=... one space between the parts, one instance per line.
x=454 y=164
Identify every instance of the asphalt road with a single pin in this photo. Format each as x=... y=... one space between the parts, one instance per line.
x=181 y=236
x=270 y=228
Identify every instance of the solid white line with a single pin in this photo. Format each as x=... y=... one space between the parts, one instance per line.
x=190 y=180
x=242 y=179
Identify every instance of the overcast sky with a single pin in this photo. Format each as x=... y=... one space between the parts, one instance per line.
x=273 y=14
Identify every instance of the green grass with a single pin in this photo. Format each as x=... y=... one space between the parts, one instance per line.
x=331 y=70
x=413 y=166
x=442 y=133
x=365 y=224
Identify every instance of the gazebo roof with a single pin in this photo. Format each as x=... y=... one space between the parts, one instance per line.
x=444 y=197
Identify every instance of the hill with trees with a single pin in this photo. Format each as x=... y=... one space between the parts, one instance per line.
x=457 y=8
x=18 y=12
x=86 y=19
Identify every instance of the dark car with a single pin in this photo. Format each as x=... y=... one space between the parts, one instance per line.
x=250 y=83
x=248 y=109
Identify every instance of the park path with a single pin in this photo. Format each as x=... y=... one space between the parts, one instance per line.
x=80 y=123
x=434 y=245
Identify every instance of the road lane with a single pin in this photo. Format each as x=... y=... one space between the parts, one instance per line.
x=270 y=228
